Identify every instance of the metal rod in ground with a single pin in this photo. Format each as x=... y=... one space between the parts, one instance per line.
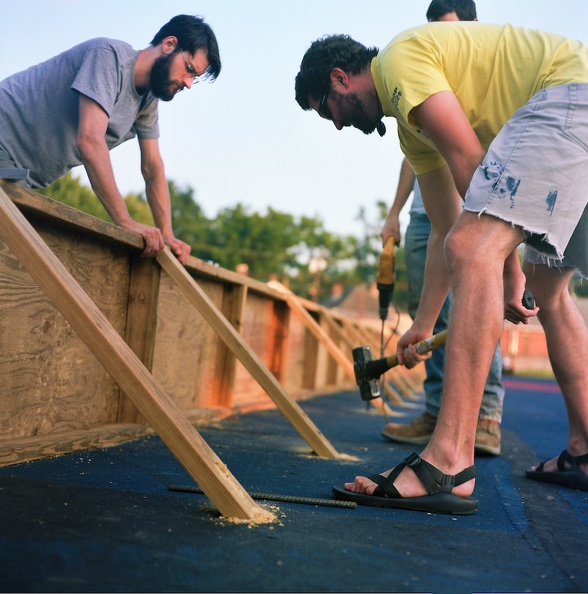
x=273 y=497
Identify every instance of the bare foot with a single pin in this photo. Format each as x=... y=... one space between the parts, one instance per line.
x=551 y=466
x=407 y=484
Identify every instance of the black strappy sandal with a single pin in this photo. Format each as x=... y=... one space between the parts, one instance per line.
x=440 y=499
x=572 y=477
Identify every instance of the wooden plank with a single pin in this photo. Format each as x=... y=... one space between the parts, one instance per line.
x=126 y=369
x=141 y=323
x=332 y=369
x=311 y=356
x=17 y=451
x=289 y=407
x=330 y=345
x=321 y=336
x=233 y=308
x=344 y=337
x=43 y=207
x=281 y=318
x=50 y=382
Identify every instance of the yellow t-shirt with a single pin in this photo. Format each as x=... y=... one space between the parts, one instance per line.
x=492 y=69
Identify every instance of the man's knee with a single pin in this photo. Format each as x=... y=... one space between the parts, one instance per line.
x=458 y=248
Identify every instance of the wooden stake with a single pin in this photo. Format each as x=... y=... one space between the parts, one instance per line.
x=235 y=342
x=126 y=369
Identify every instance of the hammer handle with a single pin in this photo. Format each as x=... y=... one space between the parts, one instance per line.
x=376 y=368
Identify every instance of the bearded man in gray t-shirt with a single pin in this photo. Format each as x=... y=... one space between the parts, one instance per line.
x=75 y=107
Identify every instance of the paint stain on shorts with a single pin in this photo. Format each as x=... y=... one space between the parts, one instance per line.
x=550 y=200
x=507 y=186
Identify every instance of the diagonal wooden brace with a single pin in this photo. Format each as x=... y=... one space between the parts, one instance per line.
x=235 y=342
x=329 y=344
x=186 y=444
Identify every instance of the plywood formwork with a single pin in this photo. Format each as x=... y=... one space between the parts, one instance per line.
x=56 y=397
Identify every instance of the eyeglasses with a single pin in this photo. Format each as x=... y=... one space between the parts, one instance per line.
x=323 y=109
x=189 y=68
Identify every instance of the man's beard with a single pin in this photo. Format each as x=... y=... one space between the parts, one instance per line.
x=160 y=83
x=357 y=114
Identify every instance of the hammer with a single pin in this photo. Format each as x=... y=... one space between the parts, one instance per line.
x=367 y=370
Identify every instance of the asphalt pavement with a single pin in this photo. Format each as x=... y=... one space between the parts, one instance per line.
x=111 y=520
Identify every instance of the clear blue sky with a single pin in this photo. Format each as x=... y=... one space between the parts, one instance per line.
x=243 y=138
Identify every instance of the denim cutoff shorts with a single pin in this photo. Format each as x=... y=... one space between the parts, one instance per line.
x=535 y=176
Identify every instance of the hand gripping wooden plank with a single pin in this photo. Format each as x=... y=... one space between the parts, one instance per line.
x=203 y=465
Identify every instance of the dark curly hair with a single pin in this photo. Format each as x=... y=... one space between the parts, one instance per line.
x=324 y=54
x=464 y=9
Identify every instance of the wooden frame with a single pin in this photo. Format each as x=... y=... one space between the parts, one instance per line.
x=125 y=367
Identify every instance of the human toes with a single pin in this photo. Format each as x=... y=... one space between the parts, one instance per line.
x=360 y=485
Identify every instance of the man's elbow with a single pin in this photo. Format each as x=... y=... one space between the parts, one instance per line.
x=152 y=172
x=87 y=146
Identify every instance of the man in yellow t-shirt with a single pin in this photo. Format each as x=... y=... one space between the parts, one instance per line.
x=496 y=115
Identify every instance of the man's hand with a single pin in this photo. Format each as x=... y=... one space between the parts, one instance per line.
x=514 y=310
x=514 y=287
x=180 y=249
x=391 y=228
x=151 y=235
x=155 y=242
x=406 y=351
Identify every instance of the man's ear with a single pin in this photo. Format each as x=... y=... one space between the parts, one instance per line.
x=169 y=44
x=339 y=78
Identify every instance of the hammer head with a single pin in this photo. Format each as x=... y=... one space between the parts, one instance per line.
x=368 y=387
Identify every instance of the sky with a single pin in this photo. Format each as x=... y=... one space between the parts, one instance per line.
x=243 y=138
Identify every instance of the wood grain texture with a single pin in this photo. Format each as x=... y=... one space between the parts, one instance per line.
x=287 y=405
x=115 y=355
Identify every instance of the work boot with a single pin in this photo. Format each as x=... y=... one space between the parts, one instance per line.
x=418 y=431
x=488 y=438
x=421 y=428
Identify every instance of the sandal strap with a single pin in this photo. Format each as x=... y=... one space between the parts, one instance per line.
x=573 y=461
x=431 y=477
x=385 y=484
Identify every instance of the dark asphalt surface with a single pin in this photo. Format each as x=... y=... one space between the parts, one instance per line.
x=106 y=521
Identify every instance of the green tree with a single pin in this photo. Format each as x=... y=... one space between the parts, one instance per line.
x=69 y=190
x=271 y=244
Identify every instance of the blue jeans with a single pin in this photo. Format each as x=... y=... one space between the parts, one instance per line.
x=415 y=251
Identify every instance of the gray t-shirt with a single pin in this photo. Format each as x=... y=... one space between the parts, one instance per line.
x=39 y=107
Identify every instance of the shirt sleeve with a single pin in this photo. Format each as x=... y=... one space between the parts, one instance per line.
x=98 y=77
x=417 y=73
x=412 y=71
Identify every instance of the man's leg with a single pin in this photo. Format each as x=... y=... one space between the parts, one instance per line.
x=419 y=431
x=476 y=249
x=488 y=435
x=567 y=343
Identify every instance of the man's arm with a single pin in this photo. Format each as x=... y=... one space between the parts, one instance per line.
x=403 y=191
x=444 y=121
x=442 y=117
x=443 y=205
x=157 y=192
x=91 y=143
